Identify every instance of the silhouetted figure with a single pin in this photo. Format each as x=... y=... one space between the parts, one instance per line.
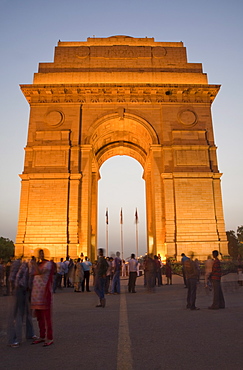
x=183 y=259
x=218 y=297
x=132 y=268
x=191 y=273
x=168 y=272
x=150 y=271
x=100 y=278
x=117 y=265
x=158 y=275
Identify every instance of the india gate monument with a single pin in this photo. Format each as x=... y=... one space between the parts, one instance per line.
x=120 y=96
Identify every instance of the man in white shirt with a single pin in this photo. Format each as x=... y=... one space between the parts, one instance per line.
x=66 y=265
x=60 y=274
x=86 y=265
x=132 y=266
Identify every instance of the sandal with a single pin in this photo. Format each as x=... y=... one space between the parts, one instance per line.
x=37 y=341
x=46 y=344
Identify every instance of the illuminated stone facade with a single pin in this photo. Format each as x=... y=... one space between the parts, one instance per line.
x=120 y=96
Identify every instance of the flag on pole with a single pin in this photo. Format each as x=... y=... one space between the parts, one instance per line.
x=106 y=216
x=136 y=216
x=121 y=217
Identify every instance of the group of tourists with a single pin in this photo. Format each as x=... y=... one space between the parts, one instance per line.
x=30 y=285
x=107 y=272
x=153 y=272
x=191 y=274
x=74 y=274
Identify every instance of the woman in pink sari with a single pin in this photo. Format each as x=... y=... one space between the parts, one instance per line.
x=41 y=298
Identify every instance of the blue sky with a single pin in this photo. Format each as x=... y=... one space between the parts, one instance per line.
x=211 y=31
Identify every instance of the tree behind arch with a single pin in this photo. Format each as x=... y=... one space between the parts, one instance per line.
x=6 y=248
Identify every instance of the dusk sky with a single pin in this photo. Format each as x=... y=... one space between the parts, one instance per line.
x=212 y=33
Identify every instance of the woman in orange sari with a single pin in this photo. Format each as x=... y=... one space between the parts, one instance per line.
x=41 y=298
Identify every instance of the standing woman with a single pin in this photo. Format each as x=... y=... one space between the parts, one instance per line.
x=78 y=275
x=168 y=272
x=41 y=298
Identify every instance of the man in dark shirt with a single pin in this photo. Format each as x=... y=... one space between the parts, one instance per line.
x=101 y=269
x=191 y=273
x=218 y=297
x=183 y=259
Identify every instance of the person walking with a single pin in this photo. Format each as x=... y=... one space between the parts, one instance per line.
x=117 y=264
x=108 y=276
x=21 y=308
x=41 y=298
x=100 y=278
x=208 y=271
x=168 y=272
x=150 y=273
x=66 y=265
x=60 y=273
x=183 y=259
x=218 y=297
x=86 y=264
x=158 y=274
x=78 y=276
x=132 y=268
x=191 y=273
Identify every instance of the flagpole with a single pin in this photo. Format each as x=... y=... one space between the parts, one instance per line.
x=107 y=223
x=136 y=223
x=121 y=223
x=137 y=240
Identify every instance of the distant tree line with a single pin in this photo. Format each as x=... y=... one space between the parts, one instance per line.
x=6 y=248
x=235 y=242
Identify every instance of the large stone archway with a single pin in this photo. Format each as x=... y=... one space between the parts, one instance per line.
x=124 y=133
x=126 y=96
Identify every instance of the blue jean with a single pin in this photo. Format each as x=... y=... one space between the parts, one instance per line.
x=18 y=310
x=100 y=287
x=191 y=293
x=116 y=283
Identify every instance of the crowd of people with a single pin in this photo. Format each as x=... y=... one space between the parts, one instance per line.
x=30 y=289
x=191 y=274
x=31 y=285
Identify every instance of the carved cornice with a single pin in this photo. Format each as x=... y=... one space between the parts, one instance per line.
x=55 y=176
x=194 y=175
x=145 y=94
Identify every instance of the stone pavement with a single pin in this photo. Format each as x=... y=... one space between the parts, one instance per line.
x=142 y=331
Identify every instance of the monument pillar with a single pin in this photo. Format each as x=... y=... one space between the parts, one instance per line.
x=85 y=200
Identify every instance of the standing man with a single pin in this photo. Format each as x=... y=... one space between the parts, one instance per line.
x=218 y=297
x=117 y=263
x=132 y=266
x=66 y=265
x=208 y=271
x=191 y=273
x=158 y=275
x=21 y=308
x=60 y=273
x=86 y=264
x=183 y=259
x=100 y=278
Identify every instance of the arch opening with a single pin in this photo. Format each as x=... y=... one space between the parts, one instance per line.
x=121 y=186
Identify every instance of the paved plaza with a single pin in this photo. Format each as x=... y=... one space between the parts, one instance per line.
x=142 y=331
